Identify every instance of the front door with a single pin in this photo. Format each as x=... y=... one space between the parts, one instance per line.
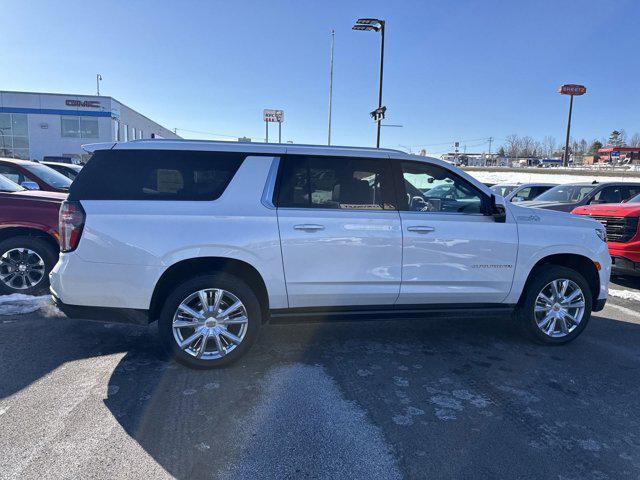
x=452 y=252
x=340 y=231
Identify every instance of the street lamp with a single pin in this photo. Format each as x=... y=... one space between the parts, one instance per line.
x=376 y=25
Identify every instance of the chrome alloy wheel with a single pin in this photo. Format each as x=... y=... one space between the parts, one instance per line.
x=210 y=324
x=21 y=268
x=559 y=308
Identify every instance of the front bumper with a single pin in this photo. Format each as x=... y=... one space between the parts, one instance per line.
x=624 y=266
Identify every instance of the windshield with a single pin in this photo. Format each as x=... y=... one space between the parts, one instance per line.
x=7 y=185
x=503 y=190
x=49 y=175
x=566 y=193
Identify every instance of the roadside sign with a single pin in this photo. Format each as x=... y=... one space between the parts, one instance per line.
x=378 y=114
x=615 y=154
x=273 y=116
x=572 y=89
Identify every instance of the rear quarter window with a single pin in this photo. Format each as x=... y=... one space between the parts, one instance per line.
x=155 y=175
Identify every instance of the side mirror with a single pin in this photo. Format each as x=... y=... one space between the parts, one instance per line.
x=29 y=185
x=497 y=210
x=516 y=199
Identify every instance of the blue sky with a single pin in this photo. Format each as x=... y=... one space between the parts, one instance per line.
x=462 y=70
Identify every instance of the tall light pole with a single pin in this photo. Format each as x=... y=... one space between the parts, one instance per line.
x=376 y=25
x=572 y=90
x=333 y=41
x=98 y=80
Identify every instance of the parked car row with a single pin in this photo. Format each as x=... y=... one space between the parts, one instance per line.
x=30 y=197
x=616 y=205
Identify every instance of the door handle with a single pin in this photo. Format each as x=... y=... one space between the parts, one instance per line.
x=421 y=229
x=309 y=227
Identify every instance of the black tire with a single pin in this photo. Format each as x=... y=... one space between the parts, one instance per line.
x=43 y=248
x=540 y=278
x=222 y=281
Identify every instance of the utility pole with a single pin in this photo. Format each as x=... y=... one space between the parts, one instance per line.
x=490 y=142
x=333 y=40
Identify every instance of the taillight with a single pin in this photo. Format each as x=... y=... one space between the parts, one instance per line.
x=71 y=222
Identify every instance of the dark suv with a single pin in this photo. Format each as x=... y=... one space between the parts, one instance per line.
x=571 y=195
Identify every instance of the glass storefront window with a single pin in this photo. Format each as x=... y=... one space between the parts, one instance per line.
x=70 y=126
x=79 y=127
x=89 y=127
x=14 y=135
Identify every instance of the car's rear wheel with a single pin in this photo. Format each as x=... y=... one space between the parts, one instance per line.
x=557 y=305
x=25 y=263
x=209 y=321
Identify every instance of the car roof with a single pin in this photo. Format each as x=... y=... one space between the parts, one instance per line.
x=62 y=164
x=599 y=184
x=17 y=161
x=246 y=147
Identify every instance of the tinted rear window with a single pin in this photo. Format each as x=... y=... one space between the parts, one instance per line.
x=155 y=175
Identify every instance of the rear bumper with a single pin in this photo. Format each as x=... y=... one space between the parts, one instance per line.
x=103 y=314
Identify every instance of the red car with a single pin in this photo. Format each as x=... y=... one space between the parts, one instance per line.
x=34 y=175
x=28 y=237
x=623 y=232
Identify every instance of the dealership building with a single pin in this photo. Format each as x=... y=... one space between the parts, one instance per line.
x=37 y=125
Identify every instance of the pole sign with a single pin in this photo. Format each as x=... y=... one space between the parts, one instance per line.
x=272 y=116
x=378 y=114
x=615 y=154
x=572 y=89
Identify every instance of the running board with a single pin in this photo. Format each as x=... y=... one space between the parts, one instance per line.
x=384 y=312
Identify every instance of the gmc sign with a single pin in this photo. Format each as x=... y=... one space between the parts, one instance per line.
x=82 y=103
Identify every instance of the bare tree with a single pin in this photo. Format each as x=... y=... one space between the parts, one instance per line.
x=512 y=145
x=549 y=146
x=635 y=140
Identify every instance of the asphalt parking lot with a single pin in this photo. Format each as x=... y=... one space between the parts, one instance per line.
x=396 y=399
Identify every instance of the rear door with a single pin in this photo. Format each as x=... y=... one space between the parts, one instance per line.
x=452 y=252
x=339 y=230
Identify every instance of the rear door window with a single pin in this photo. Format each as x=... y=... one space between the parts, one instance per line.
x=155 y=175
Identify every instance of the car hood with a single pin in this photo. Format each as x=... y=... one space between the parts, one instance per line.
x=42 y=195
x=610 y=210
x=564 y=207
x=550 y=217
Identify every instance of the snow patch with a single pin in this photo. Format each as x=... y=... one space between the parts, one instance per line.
x=625 y=294
x=18 y=304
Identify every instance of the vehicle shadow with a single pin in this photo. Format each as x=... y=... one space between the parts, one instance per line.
x=389 y=399
x=33 y=346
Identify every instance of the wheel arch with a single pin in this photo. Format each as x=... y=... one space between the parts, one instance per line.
x=188 y=268
x=26 y=231
x=580 y=263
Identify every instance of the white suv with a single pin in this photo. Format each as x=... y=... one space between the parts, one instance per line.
x=212 y=239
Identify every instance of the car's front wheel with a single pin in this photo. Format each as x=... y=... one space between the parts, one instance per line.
x=209 y=321
x=556 y=306
x=25 y=263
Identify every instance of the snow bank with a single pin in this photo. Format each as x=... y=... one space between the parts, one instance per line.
x=526 y=177
x=17 y=304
